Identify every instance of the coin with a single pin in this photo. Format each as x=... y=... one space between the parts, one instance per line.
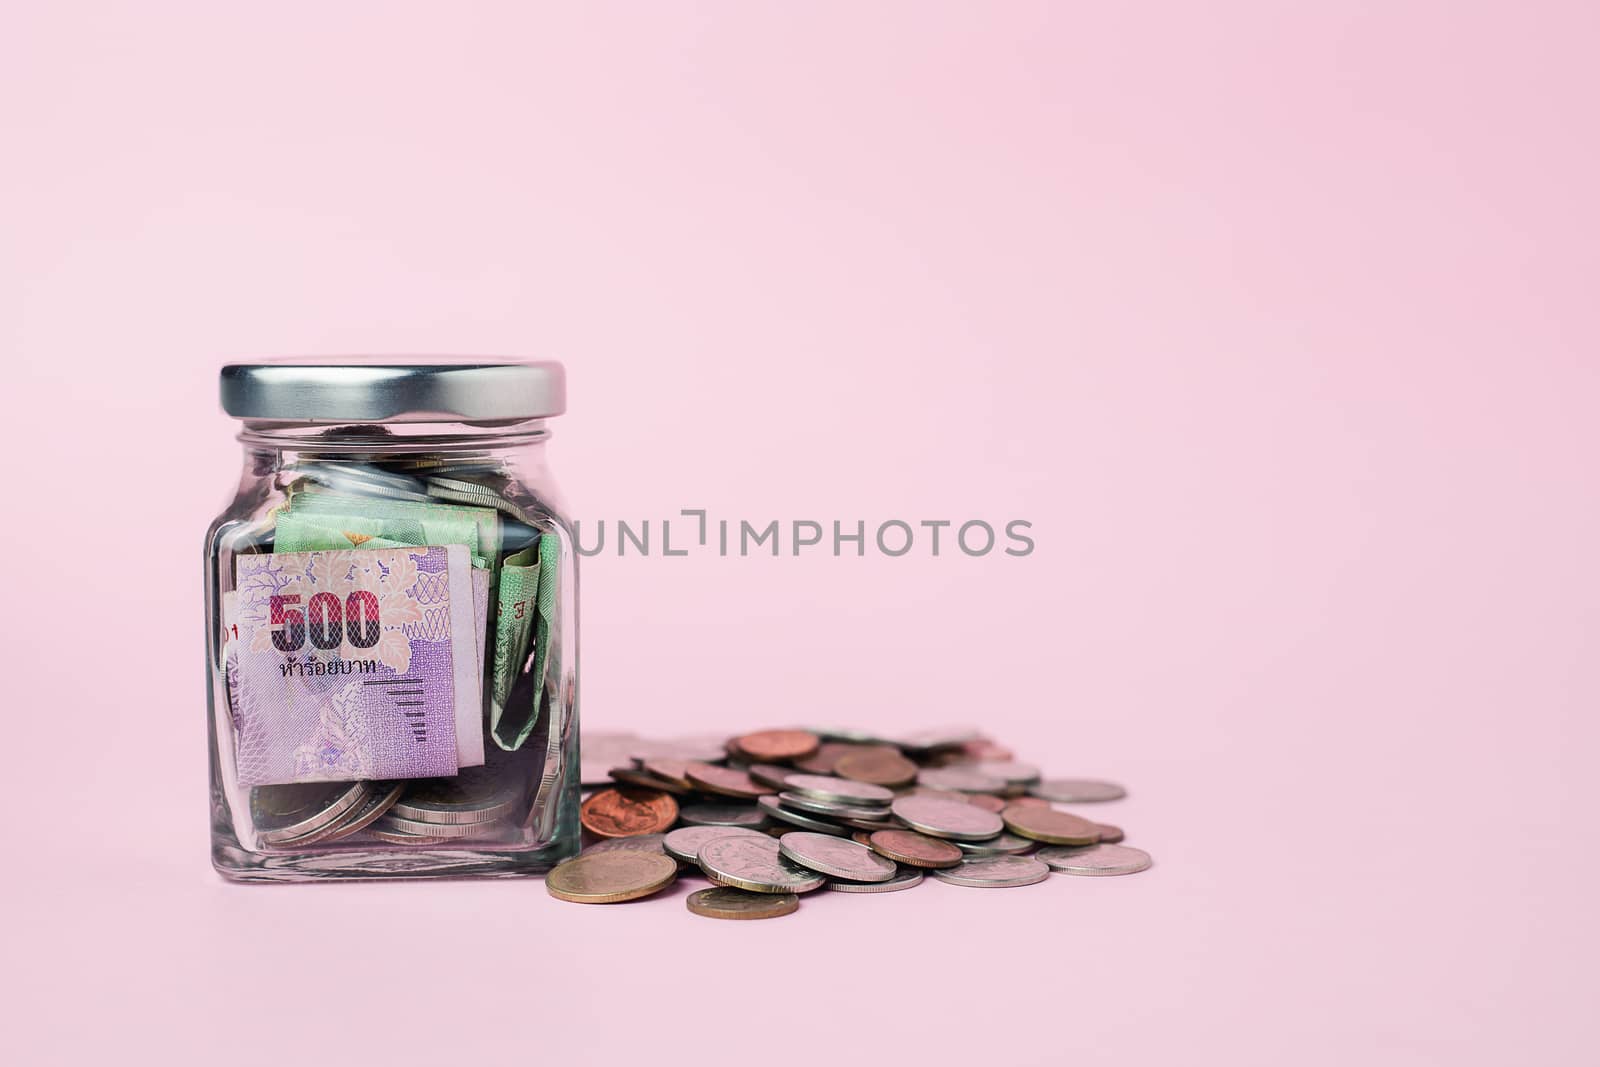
x=914 y=849
x=624 y=811
x=756 y=864
x=772 y=807
x=725 y=781
x=995 y=872
x=1109 y=835
x=637 y=843
x=904 y=880
x=673 y=770
x=282 y=813
x=477 y=794
x=775 y=746
x=995 y=846
x=960 y=780
x=954 y=819
x=646 y=780
x=1096 y=859
x=770 y=774
x=381 y=797
x=725 y=902
x=827 y=755
x=400 y=837
x=837 y=857
x=801 y=802
x=610 y=877
x=1051 y=826
x=842 y=790
x=697 y=751
x=986 y=801
x=440 y=830
x=684 y=843
x=946 y=737
x=1076 y=790
x=722 y=815
x=1009 y=771
x=877 y=766
x=1021 y=802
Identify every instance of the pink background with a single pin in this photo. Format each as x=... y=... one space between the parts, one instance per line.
x=1277 y=320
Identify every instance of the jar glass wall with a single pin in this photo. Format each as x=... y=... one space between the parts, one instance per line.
x=391 y=646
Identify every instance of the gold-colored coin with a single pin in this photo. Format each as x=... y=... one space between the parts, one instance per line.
x=1050 y=826
x=725 y=902
x=611 y=877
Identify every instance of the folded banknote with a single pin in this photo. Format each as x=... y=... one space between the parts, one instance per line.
x=358 y=663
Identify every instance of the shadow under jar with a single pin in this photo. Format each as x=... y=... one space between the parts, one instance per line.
x=391 y=624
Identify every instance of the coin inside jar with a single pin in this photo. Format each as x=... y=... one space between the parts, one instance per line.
x=625 y=811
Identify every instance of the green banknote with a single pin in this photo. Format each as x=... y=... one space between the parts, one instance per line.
x=526 y=612
x=316 y=520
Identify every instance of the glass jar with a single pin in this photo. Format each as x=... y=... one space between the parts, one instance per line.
x=391 y=625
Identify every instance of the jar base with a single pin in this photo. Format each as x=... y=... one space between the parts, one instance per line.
x=240 y=865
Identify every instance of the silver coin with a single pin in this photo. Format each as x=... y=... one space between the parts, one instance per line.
x=1076 y=790
x=683 y=844
x=994 y=872
x=770 y=774
x=381 y=797
x=801 y=802
x=960 y=780
x=850 y=735
x=954 y=819
x=435 y=829
x=837 y=857
x=636 y=843
x=946 y=737
x=755 y=863
x=907 y=878
x=692 y=752
x=842 y=790
x=747 y=815
x=477 y=794
x=1009 y=771
x=1006 y=844
x=1096 y=859
x=399 y=837
x=282 y=813
x=868 y=824
x=772 y=807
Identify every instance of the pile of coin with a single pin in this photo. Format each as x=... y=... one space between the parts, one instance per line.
x=770 y=815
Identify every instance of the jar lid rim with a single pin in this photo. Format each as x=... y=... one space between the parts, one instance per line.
x=393 y=389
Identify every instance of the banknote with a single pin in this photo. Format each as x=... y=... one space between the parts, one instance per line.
x=357 y=663
x=527 y=606
x=318 y=519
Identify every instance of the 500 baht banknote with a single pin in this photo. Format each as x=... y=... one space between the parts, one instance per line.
x=357 y=663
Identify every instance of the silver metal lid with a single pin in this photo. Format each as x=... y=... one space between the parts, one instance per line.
x=394 y=389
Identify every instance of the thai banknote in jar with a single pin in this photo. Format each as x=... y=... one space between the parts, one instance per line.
x=391 y=624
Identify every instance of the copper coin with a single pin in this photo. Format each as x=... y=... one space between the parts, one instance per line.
x=985 y=801
x=625 y=811
x=1050 y=826
x=1027 y=802
x=725 y=781
x=1109 y=835
x=914 y=849
x=644 y=779
x=877 y=766
x=673 y=770
x=777 y=746
x=827 y=755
